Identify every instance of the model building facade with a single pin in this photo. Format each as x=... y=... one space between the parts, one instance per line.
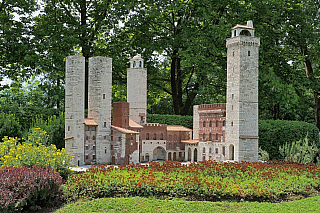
x=220 y=131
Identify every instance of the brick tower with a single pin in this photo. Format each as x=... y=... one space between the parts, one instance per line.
x=137 y=90
x=242 y=94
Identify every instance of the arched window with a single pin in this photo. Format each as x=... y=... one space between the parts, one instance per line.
x=93 y=137
x=245 y=32
x=161 y=136
x=224 y=123
x=210 y=136
x=217 y=123
x=175 y=137
x=231 y=123
x=154 y=136
x=204 y=136
x=170 y=137
x=147 y=136
x=204 y=123
x=217 y=150
x=210 y=150
x=210 y=124
x=223 y=151
x=204 y=150
x=217 y=136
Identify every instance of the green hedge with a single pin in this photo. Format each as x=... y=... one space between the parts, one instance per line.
x=186 y=121
x=273 y=134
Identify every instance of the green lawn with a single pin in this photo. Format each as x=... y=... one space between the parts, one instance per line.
x=138 y=204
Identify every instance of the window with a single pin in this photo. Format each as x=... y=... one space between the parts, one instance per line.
x=131 y=138
x=204 y=136
x=111 y=147
x=93 y=137
x=210 y=136
x=217 y=123
x=161 y=136
x=217 y=136
x=93 y=157
x=204 y=124
x=170 y=146
x=204 y=150
x=125 y=121
x=248 y=53
x=111 y=138
x=93 y=128
x=87 y=147
x=105 y=137
x=68 y=128
x=217 y=150
x=104 y=96
x=170 y=137
x=87 y=128
x=154 y=136
x=147 y=136
x=210 y=124
x=231 y=123
x=232 y=53
x=223 y=151
x=232 y=96
x=87 y=157
x=210 y=150
x=224 y=123
x=87 y=138
x=94 y=147
x=104 y=124
x=175 y=137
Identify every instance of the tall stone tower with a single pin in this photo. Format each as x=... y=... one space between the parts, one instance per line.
x=242 y=94
x=137 y=90
x=74 y=108
x=99 y=104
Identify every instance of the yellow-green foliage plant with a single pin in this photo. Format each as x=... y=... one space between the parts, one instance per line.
x=33 y=152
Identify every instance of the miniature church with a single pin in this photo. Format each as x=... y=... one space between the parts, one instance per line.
x=220 y=131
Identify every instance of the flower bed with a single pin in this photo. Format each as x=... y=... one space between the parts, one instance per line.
x=27 y=187
x=207 y=180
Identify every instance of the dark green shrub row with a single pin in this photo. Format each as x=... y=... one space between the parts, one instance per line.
x=9 y=126
x=276 y=133
x=186 y=121
x=25 y=188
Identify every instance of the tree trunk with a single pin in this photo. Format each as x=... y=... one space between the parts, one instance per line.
x=317 y=108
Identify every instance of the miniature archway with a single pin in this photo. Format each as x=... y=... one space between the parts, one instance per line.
x=189 y=154
x=195 y=156
x=245 y=32
x=159 y=153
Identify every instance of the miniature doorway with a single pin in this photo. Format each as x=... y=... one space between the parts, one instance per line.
x=159 y=153
x=195 y=158
x=113 y=160
x=231 y=152
x=174 y=156
x=169 y=156
x=189 y=155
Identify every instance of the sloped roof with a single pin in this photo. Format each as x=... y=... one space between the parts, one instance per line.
x=69 y=138
x=90 y=122
x=190 y=141
x=134 y=124
x=242 y=26
x=123 y=130
x=178 y=128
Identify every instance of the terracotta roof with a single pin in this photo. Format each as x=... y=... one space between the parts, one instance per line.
x=133 y=124
x=137 y=57
x=178 y=128
x=90 y=122
x=123 y=130
x=242 y=26
x=69 y=138
x=190 y=141
x=249 y=137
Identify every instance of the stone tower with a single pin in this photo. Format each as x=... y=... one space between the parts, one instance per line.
x=137 y=90
x=99 y=104
x=74 y=108
x=242 y=94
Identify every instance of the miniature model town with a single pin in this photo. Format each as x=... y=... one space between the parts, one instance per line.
x=220 y=131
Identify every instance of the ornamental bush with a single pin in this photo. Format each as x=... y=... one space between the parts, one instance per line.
x=24 y=188
x=273 y=134
x=17 y=154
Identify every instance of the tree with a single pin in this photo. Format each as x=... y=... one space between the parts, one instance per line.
x=183 y=43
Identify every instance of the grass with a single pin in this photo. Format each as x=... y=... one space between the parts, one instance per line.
x=138 y=204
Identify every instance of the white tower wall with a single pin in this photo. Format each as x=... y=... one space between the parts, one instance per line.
x=137 y=91
x=74 y=108
x=242 y=97
x=99 y=104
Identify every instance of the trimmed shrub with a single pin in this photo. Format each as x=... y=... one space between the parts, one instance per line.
x=25 y=188
x=186 y=121
x=273 y=134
